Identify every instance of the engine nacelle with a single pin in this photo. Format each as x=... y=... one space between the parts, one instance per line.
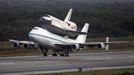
x=16 y=44
x=101 y=46
x=27 y=46
x=76 y=46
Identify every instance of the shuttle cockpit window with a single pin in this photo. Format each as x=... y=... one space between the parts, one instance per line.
x=35 y=28
x=46 y=20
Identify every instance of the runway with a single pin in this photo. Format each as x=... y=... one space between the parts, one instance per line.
x=32 y=64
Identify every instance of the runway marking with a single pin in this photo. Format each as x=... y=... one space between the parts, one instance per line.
x=7 y=63
x=77 y=54
x=69 y=70
x=103 y=53
x=21 y=57
x=99 y=58
x=131 y=57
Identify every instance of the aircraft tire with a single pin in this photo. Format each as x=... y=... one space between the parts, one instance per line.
x=62 y=55
x=45 y=53
x=66 y=53
x=54 y=54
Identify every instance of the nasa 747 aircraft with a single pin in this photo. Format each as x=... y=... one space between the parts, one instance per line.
x=46 y=40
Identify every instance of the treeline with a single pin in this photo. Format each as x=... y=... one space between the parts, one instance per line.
x=113 y=19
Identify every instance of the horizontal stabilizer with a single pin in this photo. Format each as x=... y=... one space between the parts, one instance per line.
x=76 y=32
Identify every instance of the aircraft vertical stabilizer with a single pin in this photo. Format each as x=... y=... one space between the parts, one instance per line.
x=68 y=17
x=82 y=37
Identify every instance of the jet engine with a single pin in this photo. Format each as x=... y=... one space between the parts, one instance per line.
x=16 y=45
x=27 y=46
x=76 y=46
x=101 y=46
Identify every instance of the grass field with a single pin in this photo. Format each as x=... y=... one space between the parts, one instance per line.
x=129 y=71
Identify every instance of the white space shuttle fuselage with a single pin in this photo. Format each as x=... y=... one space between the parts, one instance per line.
x=66 y=24
x=59 y=27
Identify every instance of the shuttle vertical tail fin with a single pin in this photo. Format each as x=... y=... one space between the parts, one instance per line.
x=68 y=17
x=82 y=37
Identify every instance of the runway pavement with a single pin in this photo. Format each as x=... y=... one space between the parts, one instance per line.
x=88 y=61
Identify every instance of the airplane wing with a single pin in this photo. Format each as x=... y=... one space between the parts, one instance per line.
x=116 y=42
x=81 y=45
x=93 y=44
x=25 y=44
x=100 y=45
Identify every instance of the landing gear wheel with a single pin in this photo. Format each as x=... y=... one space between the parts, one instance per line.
x=62 y=55
x=54 y=54
x=66 y=53
x=44 y=50
x=45 y=53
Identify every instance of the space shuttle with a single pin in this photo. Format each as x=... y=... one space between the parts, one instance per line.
x=61 y=27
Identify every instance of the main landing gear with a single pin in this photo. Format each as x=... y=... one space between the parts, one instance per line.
x=44 y=50
x=64 y=53
x=61 y=53
x=55 y=52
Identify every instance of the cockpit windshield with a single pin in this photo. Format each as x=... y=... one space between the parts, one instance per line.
x=46 y=20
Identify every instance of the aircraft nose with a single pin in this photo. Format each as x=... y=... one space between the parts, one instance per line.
x=30 y=36
x=33 y=34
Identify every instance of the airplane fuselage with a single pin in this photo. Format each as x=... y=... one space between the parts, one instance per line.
x=45 y=38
